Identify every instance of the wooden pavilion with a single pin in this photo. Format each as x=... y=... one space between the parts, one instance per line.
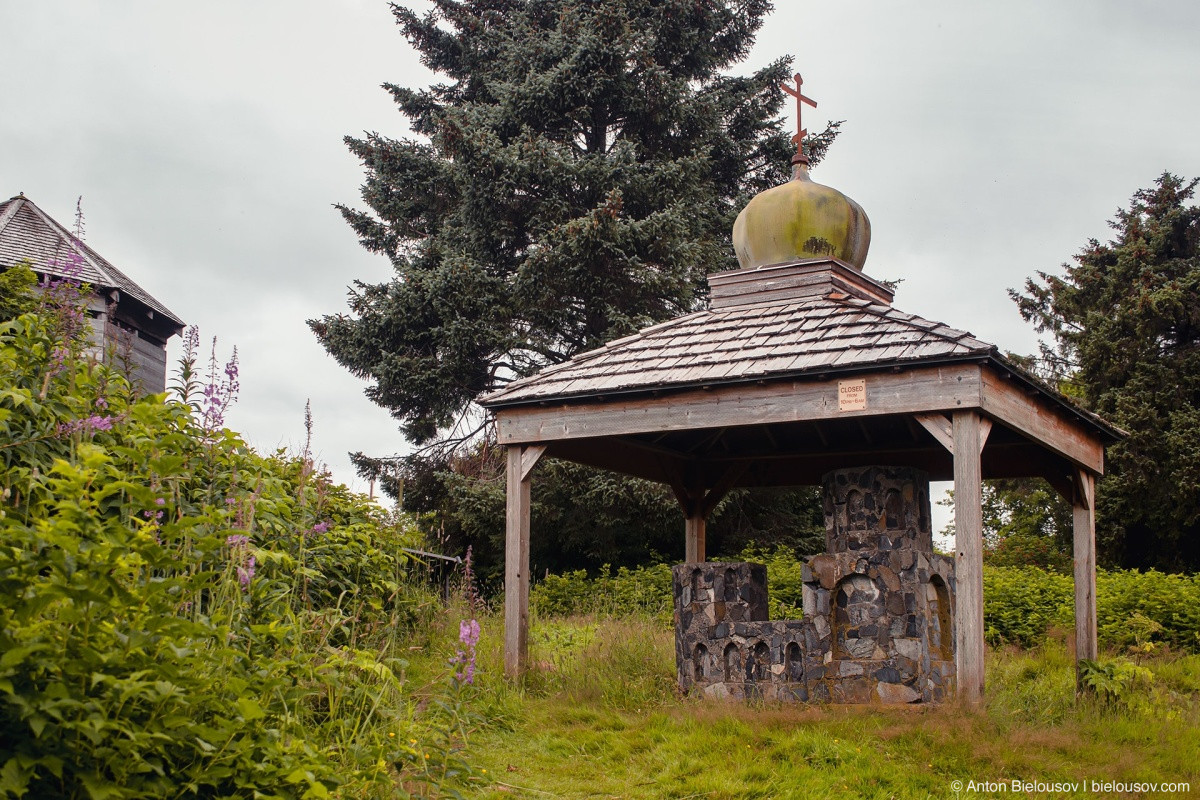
x=799 y=366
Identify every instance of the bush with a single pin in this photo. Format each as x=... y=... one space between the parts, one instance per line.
x=1136 y=611
x=1021 y=603
x=180 y=615
x=644 y=590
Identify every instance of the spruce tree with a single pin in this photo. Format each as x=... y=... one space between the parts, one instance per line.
x=573 y=178
x=1125 y=319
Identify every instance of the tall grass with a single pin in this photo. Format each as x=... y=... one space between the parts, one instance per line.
x=598 y=716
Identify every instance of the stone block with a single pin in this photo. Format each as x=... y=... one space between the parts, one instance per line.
x=891 y=580
x=824 y=568
x=911 y=649
x=896 y=693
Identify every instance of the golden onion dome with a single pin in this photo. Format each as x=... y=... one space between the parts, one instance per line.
x=801 y=219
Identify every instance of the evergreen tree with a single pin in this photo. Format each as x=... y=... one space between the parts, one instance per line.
x=574 y=178
x=1125 y=320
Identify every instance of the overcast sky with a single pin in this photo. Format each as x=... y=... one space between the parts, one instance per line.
x=986 y=141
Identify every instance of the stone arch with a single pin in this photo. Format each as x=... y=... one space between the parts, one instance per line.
x=793 y=663
x=856 y=612
x=893 y=510
x=729 y=586
x=758 y=663
x=939 y=620
x=697 y=584
x=731 y=662
x=700 y=663
x=854 y=509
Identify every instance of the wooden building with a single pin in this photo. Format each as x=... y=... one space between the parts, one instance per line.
x=799 y=366
x=130 y=328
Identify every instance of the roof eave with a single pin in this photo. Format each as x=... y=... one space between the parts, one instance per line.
x=1110 y=433
x=493 y=405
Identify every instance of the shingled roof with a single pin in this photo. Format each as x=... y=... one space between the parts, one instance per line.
x=27 y=232
x=790 y=320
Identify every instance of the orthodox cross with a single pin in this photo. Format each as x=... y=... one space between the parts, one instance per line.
x=800 y=101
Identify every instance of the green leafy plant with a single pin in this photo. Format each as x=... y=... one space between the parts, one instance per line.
x=1115 y=681
x=180 y=615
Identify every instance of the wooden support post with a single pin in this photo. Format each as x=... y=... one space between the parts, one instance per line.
x=1085 y=570
x=694 y=538
x=968 y=539
x=521 y=461
x=697 y=503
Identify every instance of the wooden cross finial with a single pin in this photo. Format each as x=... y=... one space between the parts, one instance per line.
x=800 y=101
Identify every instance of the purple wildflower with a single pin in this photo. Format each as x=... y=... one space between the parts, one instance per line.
x=468 y=633
x=191 y=340
x=320 y=527
x=245 y=573
x=237 y=540
x=86 y=425
x=464 y=661
x=158 y=501
x=219 y=393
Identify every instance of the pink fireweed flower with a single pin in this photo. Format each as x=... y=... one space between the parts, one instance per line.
x=464 y=660
x=86 y=425
x=237 y=540
x=468 y=633
x=245 y=573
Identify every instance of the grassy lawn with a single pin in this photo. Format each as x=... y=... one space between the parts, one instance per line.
x=599 y=717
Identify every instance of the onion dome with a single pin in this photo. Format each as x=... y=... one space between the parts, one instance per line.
x=801 y=219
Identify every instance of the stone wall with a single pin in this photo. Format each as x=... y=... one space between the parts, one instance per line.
x=878 y=608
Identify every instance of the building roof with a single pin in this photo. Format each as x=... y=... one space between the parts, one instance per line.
x=825 y=332
x=806 y=319
x=28 y=232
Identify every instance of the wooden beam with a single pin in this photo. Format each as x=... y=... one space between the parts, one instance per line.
x=727 y=481
x=516 y=561
x=1044 y=422
x=939 y=428
x=694 y=532
x=697 y=503
x=968 y=541
x=530 y=456
x=923 y=390
x=1085 y=571
x=621 y=455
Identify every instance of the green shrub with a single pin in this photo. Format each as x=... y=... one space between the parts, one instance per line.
x=1137 y=611
x=1021 y=603
x=644 y=590
x=1116 y=681
x=182 y=616
x=124 y=675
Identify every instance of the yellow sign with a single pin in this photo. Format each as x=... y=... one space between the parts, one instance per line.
x=852 y=395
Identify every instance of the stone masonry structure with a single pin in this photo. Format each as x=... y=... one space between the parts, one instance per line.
x=878 y=607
